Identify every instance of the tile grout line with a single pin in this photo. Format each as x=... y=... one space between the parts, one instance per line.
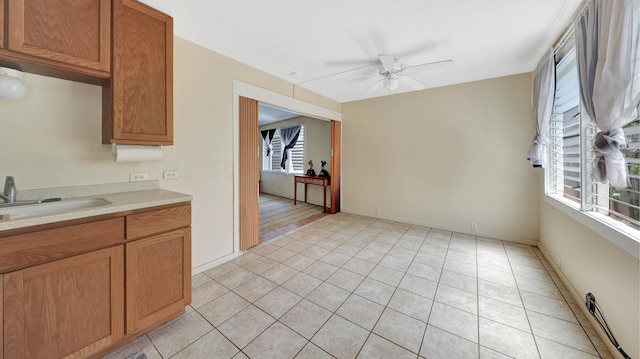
x=433 y=301
x=386 y=306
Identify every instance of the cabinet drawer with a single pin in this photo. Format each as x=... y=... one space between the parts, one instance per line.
x=159 y=221
x=44 y=246
x=319 y=182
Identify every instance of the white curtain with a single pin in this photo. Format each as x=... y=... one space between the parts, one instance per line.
x=544 y=88
x=267 y=136
x=289 y=138
x=607 y=49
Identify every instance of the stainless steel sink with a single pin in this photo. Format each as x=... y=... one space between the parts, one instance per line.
x=51 y=208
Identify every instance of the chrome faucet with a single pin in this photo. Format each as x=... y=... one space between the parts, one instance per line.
x=10 y=191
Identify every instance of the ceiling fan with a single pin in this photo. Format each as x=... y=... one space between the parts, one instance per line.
x=392 y=72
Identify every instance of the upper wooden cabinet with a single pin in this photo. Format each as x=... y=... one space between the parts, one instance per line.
x=65 y=35
x=138 y=103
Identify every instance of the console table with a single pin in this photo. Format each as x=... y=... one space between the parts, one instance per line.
x=315 y=180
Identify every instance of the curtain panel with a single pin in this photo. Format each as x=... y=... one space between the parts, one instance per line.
x=267 y=137
x=542 y=97
x=607 y=54
x=289 y=136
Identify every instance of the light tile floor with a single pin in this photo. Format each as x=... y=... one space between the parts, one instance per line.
x=348 y=286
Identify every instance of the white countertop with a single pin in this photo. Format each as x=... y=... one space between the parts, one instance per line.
x=121 y=197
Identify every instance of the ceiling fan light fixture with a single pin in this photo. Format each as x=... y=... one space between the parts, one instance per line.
x=11 y=84
x=391 y=84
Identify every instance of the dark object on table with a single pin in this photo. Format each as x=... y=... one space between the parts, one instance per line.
x=323 y=172
x=311 y=171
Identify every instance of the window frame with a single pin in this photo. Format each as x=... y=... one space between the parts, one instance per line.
x=584 y=211
x=301 y=145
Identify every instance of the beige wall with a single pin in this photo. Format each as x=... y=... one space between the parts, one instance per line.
x=317 y=144
x=593 y=264
x=445 y=157
x=52 y=138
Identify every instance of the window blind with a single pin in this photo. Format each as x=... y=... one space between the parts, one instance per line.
x=564 y=132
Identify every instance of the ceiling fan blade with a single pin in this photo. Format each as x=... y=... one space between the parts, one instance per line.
x=350 y=63
x=413 y=83
x=356 y=72
x=376 y=86
x=431 y=66
x=387 y=62
x=420 y=50
x=358 y=77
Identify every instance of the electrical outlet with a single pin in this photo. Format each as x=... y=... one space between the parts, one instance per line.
x=377 y=211
x=170 y=175
x=590 y=302
x=137 y=177
x=474 y=226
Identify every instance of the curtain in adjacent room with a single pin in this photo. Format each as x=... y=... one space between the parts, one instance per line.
x=267 y=136
x=289 y=136
x=607 y=49
x=544 y=88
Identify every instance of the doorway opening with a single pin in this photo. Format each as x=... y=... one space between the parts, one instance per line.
x=310 y=153
x=247 y=163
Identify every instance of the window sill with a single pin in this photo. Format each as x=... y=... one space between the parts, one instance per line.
x=619 y=234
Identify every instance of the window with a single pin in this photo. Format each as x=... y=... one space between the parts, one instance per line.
x=272 y=162
x=571 y=157
x=622 y=204
x=564 y=130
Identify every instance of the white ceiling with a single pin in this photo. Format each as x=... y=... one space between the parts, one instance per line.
x=269 y=113
x=322 y=41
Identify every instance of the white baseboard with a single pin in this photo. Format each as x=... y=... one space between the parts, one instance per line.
x=580 y=299
x=209 y=265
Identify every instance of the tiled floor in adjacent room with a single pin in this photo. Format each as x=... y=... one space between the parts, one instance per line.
x=348 y=286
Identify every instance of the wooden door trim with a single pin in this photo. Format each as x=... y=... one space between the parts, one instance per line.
x=336 y=166
x=248 y=142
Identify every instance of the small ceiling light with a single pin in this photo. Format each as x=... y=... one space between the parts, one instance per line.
x=391 y=83
x=11 y=84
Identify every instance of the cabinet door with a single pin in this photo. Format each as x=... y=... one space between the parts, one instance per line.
x=158 y=278
x=72 y=32
x=1 y=31
x=142 y=76
x=72 y=307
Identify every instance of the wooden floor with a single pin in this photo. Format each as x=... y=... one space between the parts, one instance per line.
x=278 y=215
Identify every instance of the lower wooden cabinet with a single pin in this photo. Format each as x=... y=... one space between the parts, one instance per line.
x=72 y=307
x=84 y=289
x=158 y=275
x=1 y=306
